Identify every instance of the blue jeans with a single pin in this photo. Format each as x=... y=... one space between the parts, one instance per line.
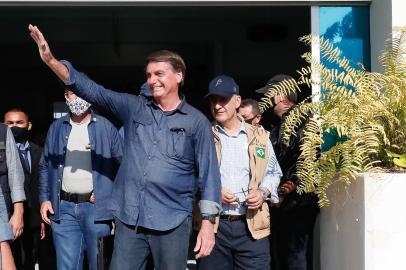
x=236 y=249
x=75 y=232
x=169 y=249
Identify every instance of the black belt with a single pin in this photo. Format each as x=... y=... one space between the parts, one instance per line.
x=233 y=217
x=75 y=197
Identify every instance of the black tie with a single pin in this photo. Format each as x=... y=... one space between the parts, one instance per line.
x=24 y=154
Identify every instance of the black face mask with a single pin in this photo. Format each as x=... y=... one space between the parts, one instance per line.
x=19 y=133
x=249 y=121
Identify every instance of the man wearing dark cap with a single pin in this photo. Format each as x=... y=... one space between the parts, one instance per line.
x=293 y=221
x=250 y=175
x=273 y=81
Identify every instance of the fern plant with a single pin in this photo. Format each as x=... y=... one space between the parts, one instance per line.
x=365 y=111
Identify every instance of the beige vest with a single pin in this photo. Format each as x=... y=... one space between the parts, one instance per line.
x=258 y=220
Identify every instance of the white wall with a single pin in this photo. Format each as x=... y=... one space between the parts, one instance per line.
x=364 y=228
x=398 y=13
x=380 y=28
x=384 y=16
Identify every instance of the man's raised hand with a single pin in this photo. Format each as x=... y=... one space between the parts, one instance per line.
x=45 y=52
x=43 y=47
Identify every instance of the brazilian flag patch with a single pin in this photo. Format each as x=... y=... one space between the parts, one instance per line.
x=260 y=152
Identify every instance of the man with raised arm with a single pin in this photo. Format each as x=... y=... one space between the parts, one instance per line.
x=169 y=155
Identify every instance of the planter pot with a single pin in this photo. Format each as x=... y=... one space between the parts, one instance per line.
x=364 y=228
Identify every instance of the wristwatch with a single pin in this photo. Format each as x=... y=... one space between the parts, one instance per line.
x=211 y=218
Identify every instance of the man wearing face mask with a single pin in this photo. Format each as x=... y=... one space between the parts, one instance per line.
x=249 y=110
x=294 y=219
x=26 y=248
x=80 y=160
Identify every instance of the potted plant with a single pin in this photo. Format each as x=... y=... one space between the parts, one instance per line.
x=365 y=113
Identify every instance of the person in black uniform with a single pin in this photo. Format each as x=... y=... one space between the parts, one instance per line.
x=293 y=220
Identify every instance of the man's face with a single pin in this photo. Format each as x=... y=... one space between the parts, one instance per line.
x=162 y=79
x=246 y=113
x=224 y=108
x=17 y=119
x=282 y=105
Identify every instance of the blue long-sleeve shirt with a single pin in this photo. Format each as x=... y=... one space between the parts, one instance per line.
x=168 y=156
x=106 y=153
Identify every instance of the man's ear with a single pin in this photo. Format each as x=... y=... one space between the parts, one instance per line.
x=259 y=116
x=237 y=102
x=179 y=77
x=29 y=125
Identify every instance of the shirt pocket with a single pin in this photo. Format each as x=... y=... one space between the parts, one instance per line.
x=180 y=144
x=135 y=127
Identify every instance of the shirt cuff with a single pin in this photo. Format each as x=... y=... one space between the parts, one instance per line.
x=6 y=233
x=271 y=183
x=18 y=195
x=43 y=199
x=71 y=79
x=209 y=208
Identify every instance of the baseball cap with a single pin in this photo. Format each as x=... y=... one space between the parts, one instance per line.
x=224 y=86
x=272 y=81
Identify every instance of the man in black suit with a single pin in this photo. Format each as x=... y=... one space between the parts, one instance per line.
x=35 y=243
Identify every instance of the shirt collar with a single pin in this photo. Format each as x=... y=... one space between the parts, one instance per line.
x=23 y=146
x=242 y=129
x=183 y=106
x=66 y=118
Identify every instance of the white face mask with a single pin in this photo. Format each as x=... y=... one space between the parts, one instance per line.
x=78 y=106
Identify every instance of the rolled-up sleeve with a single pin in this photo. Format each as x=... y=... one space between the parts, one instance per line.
x=208 y=169
x=15 y=169
x=111 y=101
x=273 y=175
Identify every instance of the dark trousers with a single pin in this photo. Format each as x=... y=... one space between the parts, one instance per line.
x=46 y=252
x=29 y=249
x=236 y=249
x=292 y=238
x=132 y=246
x=25 y=249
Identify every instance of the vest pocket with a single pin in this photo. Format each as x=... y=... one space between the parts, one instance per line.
x=261 y=219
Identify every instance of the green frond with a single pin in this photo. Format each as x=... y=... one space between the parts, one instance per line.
x=366 y=111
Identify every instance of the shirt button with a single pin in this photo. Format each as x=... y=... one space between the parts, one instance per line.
x=154 y=142
x=149 y=157
x=145 y=173
x=60 y=165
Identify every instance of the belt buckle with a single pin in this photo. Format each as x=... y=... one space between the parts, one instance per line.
x=233 y=218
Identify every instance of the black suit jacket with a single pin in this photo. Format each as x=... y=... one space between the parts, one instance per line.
x=32 y=217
